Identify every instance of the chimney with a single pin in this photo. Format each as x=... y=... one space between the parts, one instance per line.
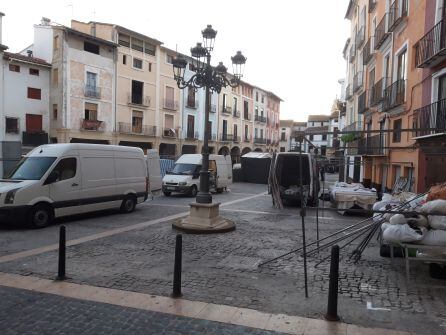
x=1 y=16
x=45 y=21
x=30 y=53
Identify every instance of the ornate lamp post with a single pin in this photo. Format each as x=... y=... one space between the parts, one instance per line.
x=204 y=215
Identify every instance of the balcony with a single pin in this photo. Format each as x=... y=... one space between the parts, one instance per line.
x=92 y=92
x=430 y=50
x=367 y=53
x=91 y=125
x=360 y=37
x=259 y=140
x=33 y=139
x=376 y=92
x=394 y=95
x=191 y=103
x=259 y=118
x=432 y=117
x=357 y=81
x=372 y=145
x=226 y=137
x=170 y=133
x=362 y=103
x=236 y=113
x=397 y=12
x=247 y=116
x=128 y=128
x=226 y=110
x=352 y=53
x=139 y=100
x=372 y=5
x=348 y=92
x=381 y=32
x=170 y=104
x=192 y=136
x=236 y=139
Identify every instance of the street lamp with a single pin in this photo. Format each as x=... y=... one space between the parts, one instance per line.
x=212 y=80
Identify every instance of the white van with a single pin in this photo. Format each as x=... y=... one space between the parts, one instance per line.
x=63 y=179
x=185 y=176
x=153 y=170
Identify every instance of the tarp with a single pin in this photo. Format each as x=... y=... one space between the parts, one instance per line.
x=345 y=196
x=255 y=167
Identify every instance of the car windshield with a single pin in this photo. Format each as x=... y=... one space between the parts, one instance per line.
x=188 y=169
x=31 y=168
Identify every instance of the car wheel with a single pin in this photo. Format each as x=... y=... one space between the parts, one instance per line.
x=167 y=194
x=40 y=216
x=193 y=191
x=128 y=204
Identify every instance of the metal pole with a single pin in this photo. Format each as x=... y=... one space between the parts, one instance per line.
x=62 y=248
x=302 y=214
x=176 y=292
x=332 y=308
x=204 y=196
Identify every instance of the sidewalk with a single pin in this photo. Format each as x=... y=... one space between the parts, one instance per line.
x=36 y=305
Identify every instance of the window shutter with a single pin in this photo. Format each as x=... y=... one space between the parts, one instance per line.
x=33 y=123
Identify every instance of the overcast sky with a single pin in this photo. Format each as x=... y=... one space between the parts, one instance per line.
x=294 y=48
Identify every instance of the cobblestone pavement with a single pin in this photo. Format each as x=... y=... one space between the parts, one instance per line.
x=223 y=269
x=25 y=312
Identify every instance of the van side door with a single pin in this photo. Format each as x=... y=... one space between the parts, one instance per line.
x=65 y=190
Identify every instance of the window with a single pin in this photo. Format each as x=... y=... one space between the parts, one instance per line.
x=34 y=72
x=56 y=43
x=257 y=96
x=137 y=44
x=33 y=123
x=234 y=108
x=137 y=92
x=150 y=67
x=14 y=68
x=55 y=111
x=324 y=137
x=137 y=117
x=282 y=136
x=311 y=137
x=12 y=125
x=66 y=169
x=124 y=40
x=137 y=63
x=401 y=65
x=323 y=150
x=224 y=100
x=124 y=59
x=34 y=93
x=149 y=48
x=190 y=126
x=246 y=132
x=397 y=124
x=261 y=133
x=168 y=121
x=335 y=131
x=192 y=67
x=263 y=98
x=169 y=59
x=91 y=79
x=91 y=47
x=245 y=108
x=235 y=131
x=256 y=110
x=55 y=76
x=256 y=133
x=91 y=111
x=191 y=98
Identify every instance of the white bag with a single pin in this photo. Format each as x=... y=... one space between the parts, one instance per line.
x=398 y=219
x=400 y=233
x=434 y=237
x=436 y=206
x=437 y=222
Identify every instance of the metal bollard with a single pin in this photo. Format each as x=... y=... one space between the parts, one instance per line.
x=332 y=308
x=62 y=247
x=176 y=292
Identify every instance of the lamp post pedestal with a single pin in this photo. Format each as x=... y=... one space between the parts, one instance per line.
x=204 y=218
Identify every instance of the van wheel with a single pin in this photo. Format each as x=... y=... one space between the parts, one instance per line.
x=128 y=204
x=220 y=190
x=167 y=194
x=40 y=216
x=193 y=191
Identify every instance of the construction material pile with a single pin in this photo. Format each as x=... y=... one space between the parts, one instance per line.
x=346 y=196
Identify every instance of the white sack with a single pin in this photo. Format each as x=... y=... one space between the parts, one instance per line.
x=434 y=237
x=437 y=222
x=435 y=206
x=398 y=219
x=400 y=233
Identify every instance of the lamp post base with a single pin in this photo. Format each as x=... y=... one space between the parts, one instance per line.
x=204 y=219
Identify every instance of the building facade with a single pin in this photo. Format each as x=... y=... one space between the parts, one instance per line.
x=286 y=128
x=316 y=134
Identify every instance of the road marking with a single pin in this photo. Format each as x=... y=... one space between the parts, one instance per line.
x=369 y=307
x=107 y=233
x=187 y=308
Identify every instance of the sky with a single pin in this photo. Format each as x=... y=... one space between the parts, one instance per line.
x=293 y=48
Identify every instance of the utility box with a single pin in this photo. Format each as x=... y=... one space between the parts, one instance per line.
x=10 y=155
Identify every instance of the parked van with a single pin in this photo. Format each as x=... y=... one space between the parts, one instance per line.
x=154 y=170
x=55 y=180
x=286 y=167
x=185 y=176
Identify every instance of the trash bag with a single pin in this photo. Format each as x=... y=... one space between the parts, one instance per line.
x=434 y=237
x=435 y=206
x=437 y=222
x=401 y=233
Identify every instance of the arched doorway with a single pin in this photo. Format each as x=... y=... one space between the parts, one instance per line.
x=235 y=155
x=223 y=151
x=246 y=150
x=258 y=150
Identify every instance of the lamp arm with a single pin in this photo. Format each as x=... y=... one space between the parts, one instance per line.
x=192 y=82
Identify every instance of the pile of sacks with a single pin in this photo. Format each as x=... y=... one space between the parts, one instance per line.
x=424 y=228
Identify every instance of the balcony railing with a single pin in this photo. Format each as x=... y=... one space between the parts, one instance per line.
x=394 y=95
x=432 y=116
x=357 y=81
x=352 y=53
x=367 y=53
x=236 y=139
x=372 y=145
x=128 y=128
x=170 y=132
x=247 y=116
x=381 y=32
x=136 y=99
x=348 y=92
x=226 y=110
x=362 y=102
x=170 y=104
x=226 y=137
x=372 y=5
x=33 y=139
x=360 y=37
x=260 y=140
x=259 y=118
x=92 y=92
x=191 y=103
x=376 y=92
x=431 y=48
x=191 y=135
x=236 y=113
x=397 y=11
x=92 y=125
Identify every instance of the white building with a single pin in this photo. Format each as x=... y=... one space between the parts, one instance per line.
x=286 y=128
x=298 y=127
x=317 y=128
x=333 y=127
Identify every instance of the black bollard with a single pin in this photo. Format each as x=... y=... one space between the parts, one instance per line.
x=332 y=308
x=176 y=293
x=62 y=246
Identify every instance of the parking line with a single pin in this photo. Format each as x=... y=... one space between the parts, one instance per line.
x=111 y=232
